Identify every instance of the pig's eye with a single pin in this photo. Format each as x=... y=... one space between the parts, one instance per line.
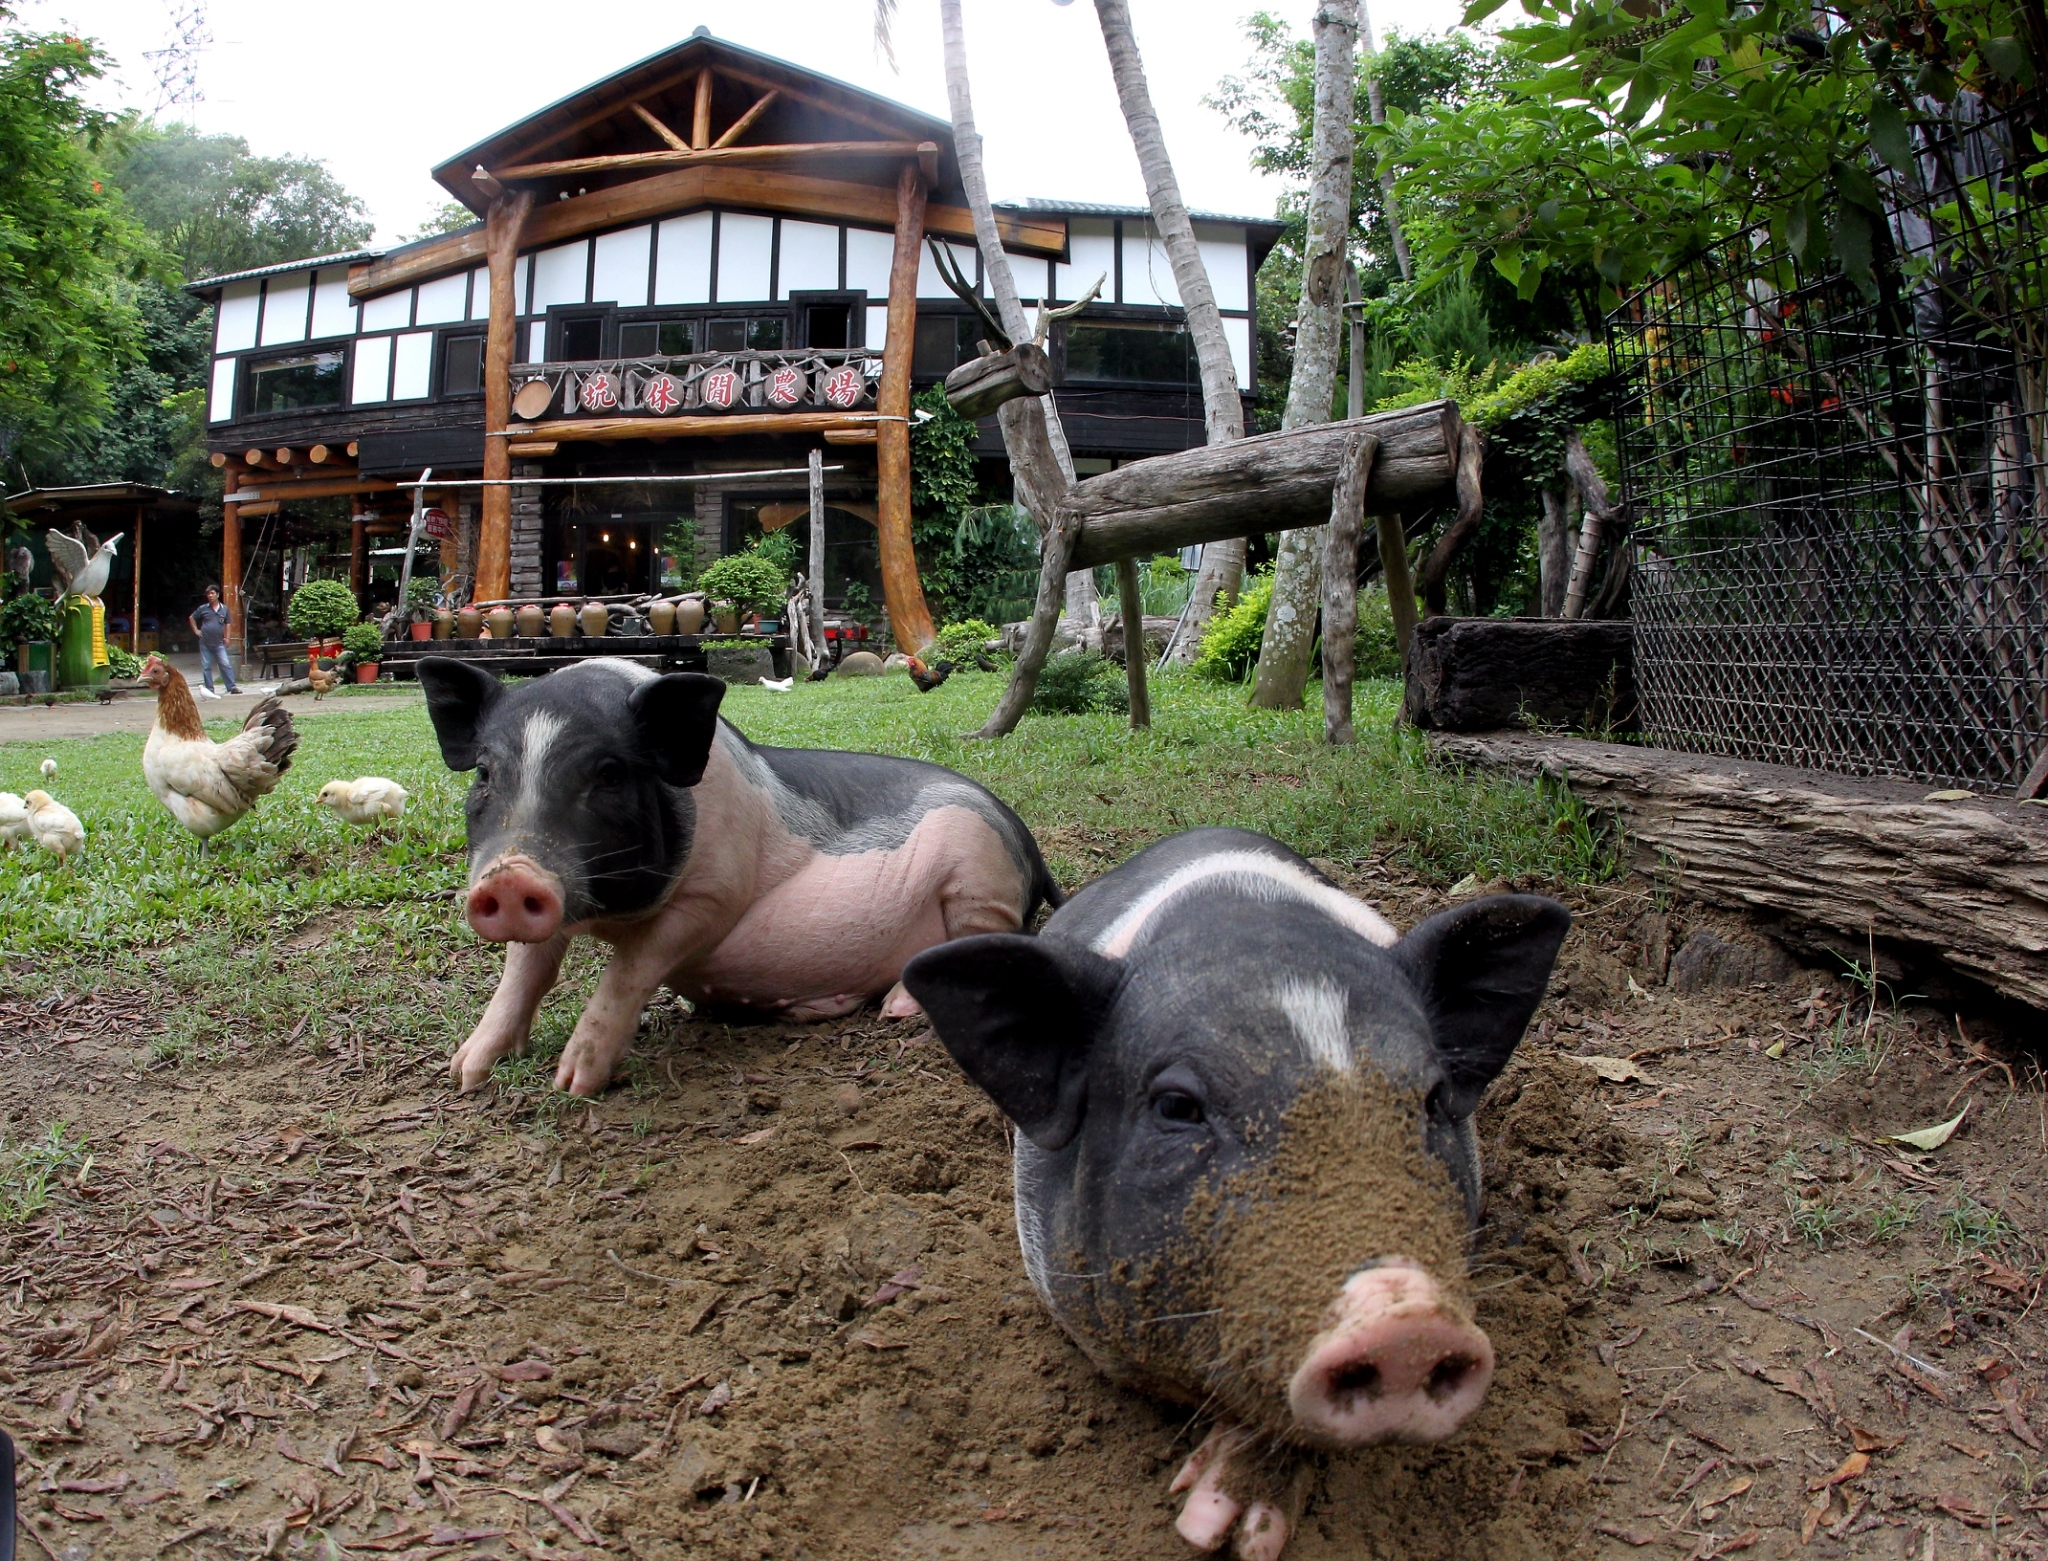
x=610 y=772
x=1175 y=1105
x=483 y=774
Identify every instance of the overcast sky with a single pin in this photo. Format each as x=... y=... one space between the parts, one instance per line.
x=382 y=89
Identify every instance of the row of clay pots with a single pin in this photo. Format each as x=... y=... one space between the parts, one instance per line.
x=565 y=622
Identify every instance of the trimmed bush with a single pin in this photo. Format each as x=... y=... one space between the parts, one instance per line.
x=320 y=608
x=364 y=641
x=963 y=641
x=1081 y=683
x=751 y=579
x=27 y=617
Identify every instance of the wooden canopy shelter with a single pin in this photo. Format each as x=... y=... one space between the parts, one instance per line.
x=105 y=509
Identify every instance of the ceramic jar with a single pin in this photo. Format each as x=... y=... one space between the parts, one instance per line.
x=532 y=621
x=690 y=615
x=444 y=623
x=469 y=623
x=562 y=621
x=595 y=617
x=501 y=622
x=661 y=617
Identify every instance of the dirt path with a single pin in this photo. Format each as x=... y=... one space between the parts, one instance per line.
x=764 y=1299
x=137 y=713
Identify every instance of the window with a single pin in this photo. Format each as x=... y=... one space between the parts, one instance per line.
x=657 y=338
x=462 y=366
x=309 y=379
x=757 y=333
x=578 y=341
x=827 y=325
x=944 y=342
x=1162 y=354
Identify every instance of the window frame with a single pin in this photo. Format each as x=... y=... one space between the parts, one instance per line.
x=251 y=363
x=446 y=339
x=1126 y=315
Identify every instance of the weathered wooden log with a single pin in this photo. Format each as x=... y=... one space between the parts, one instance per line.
x=982 y=384
x=1495 y=674
x=1274 y=482
x=1340 y=586
x=1844 y=862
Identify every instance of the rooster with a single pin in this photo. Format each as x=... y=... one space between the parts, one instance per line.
x=208 y=785
x=928 y=678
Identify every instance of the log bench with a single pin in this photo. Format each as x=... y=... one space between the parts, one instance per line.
x=1838 y=864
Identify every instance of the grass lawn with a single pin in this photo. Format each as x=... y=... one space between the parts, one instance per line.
x=272 y=924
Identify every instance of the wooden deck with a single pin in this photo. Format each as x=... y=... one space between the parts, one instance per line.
x=520 y=656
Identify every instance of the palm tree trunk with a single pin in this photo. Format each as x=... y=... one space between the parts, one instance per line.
x=1284 y=649
x=1222 y=571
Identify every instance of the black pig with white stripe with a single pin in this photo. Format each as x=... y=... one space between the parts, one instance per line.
x=613 y=801
x=1245 y=1167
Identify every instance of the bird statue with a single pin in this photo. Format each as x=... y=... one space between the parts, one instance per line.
x=82 y=564
x=21 y=563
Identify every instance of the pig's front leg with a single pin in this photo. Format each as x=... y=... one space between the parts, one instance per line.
x=1211 y=1512
x=530 y=972
x=606 y=1029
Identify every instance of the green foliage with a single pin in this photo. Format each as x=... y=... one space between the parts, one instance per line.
x=1081 y=683
x=321 y=608
x=27 y=616
x=963 y=641
x=751 y=579
x=780 y=549
x=363 y=641
x=448 y=217
x=28 y=1169
x=421 y=590
x=122 y=663
x=69 y=252
x=1230 y=645
x=1376 y=653
x=974 y=560
x=157 y=406
x=941 y=458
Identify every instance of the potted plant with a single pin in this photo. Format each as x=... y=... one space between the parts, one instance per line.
x=319 y=611
x=365 y=645
x=743 y=583
x=29 y=623
x=420 y=594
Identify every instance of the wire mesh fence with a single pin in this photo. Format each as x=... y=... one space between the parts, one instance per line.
x=1839 y=488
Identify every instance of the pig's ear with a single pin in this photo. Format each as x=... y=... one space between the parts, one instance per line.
x=1482 y=969
x=678 y=720
x=1019 y=1015
x=458 y=695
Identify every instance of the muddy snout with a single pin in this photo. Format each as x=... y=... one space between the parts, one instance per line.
x=1394 y=1365
x=515 y=901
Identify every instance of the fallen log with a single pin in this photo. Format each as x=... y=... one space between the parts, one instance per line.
x=1274 y=482
x=1497 y=674
x=982 y=384
x=1846 y=864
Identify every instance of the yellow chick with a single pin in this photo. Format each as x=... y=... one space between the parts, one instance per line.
x=54 y=827
x=369 y=800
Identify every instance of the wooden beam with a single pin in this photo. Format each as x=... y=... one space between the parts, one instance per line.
x=321 y=454
x=794 y=152
x=740 y=126
x=494 y=538
x=849 y=436
x=218 y=459
x=309 y=488
x=481 y=177
x=668 y=136
x=847 y=112
x=352 y=450
x=910 y=620
x=256 y=512
x=286 y=455
x=604 y=430
x=254 y=458
x=681 y=188
x=928 y=163
x=358 y=554
x=534 y=449
x=231 y=574
x=135 y=586
x=700 y=120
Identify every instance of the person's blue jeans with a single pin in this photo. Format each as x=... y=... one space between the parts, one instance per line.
x=208 y=655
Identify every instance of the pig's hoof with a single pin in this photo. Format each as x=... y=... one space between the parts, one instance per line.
x=470 y=1068
x=584 y=1070
x=899 y=1004
x=1210 y=1514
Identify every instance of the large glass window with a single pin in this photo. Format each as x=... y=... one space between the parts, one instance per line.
x=657 y=338
x=310 y=379
x=1162 y=354
x=579 y=340
x=944 y=342
x=755 y=333
x=462 y=366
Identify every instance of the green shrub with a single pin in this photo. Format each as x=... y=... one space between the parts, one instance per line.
x=1378 y=653
x=780 y=549
x=1081 y=683
x=27 y=617
x=364 y=641
x=121 y=663
x=752 y=579
x=963 y=641
x=421 y=590
x=1230 y=645
x=320 y=608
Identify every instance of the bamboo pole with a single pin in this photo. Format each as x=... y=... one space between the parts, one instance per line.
x=909 y=618
x=494 y=543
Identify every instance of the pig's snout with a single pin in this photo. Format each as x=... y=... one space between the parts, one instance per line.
x=1394 y=1365
x=516 y=902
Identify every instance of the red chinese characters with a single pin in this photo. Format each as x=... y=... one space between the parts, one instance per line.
x=662 y=395
x=844 y=388
x=598 y=393
x=719 y=387
x=786 y=388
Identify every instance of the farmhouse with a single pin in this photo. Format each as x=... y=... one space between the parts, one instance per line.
x=709 y=262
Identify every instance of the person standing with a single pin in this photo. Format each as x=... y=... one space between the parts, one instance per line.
x=211 y=621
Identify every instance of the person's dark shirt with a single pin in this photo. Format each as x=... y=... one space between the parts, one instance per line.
x=212 y=619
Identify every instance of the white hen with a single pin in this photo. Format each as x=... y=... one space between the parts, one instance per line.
x=366 y=801
x=13 y=820
x=777 y=685
x=54 y=826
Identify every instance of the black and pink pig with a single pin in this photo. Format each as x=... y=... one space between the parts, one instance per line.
x=613 y=801
x=1246 y=1172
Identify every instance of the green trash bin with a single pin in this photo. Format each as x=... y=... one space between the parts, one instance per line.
x=81 y=644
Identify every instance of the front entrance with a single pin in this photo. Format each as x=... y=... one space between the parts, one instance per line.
x=607 y=554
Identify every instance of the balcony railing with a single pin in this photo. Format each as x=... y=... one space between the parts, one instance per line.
x=701 y=384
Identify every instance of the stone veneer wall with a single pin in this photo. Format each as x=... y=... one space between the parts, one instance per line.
x=526 y=528
x=710 y=524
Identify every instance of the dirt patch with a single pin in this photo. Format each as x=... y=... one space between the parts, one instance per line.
x=765 y=1299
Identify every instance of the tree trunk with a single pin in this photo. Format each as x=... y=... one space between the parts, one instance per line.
x=1084 y=609
x=1552 y=558
x=1290 y=631
x=910 y=620
x=1340 y=585
x=1222 y=571
x=507 y=218
x=1130 y=603
x=1600 y=516
x=1400 y=584
x=1376 y=106
x=1471 y=510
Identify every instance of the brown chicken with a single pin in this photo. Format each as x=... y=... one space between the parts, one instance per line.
x=324 y=679
x=208 y=785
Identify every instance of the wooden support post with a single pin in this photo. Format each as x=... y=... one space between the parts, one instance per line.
x=135 y=587
x=1340 y=586
x=818 y=550
x=700 y=120
x=1131 y=604
x=1471 y=510
x=909 y=618
x=231 y=573
x=494 y=543
x=1400 y=585
x=358 y=554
